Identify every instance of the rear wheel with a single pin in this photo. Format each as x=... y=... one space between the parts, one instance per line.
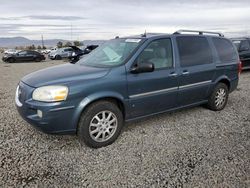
x=38 y=59
x=218 y=99
x=100 y=124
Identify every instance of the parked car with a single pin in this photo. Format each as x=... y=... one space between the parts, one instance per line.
x=78 y=53
x=45 y=51
x=26 y=55
x=61 y=53
x=130 y=78
x=243 y=47
x=10 y=51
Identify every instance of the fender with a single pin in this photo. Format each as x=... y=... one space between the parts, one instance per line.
x=223 y=77
x=215 y=82
x=94 y=97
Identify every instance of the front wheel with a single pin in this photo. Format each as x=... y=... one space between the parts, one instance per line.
x=100 y=124
x=11 y=60
x=218 y=99
x=58 y=57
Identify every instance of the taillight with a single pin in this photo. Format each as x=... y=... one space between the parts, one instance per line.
x=239 y=68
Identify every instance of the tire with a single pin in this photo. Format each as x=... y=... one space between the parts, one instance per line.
x=11 y=60
x=218 y=98
x=58 y=57
x=38 y=59
x=101 y=135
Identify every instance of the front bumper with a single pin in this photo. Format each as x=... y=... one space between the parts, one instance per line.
x=56 y=116
x=51 y=57
x=4 y=59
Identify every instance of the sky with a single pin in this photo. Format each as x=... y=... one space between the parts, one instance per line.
x=105 y=19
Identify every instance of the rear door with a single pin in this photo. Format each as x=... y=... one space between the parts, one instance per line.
x=196 y=69
x=152 y=92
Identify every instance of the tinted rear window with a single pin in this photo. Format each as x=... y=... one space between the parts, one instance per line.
x=194 y=51
x=225 y=50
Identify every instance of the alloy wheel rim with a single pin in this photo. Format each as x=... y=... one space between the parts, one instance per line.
x=220 y=97
x=103 y=126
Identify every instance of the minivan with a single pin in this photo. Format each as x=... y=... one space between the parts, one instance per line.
x=129 y=78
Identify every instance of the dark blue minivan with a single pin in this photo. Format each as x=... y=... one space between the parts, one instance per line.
x=129 y=78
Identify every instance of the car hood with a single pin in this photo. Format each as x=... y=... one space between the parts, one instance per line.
x=63 y=74
x=9 y=55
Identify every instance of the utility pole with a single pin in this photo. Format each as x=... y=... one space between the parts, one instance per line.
x=71 y=32
x=42 y=42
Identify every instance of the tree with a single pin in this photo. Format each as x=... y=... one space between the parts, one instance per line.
x=59 y=44
x=32 y=47
x=78 y=43
x=44 y=48
x=39 y=47
x=67 y=44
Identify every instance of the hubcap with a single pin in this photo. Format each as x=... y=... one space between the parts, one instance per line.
x=220 y=97
x=103 y=126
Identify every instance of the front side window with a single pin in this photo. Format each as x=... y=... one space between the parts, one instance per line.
x=112 y=53
x=194 y=50
x=158 y=52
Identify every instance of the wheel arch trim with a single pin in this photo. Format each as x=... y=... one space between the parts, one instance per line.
x=95 y=97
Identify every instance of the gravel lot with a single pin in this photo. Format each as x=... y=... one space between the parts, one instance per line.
x=189 y=148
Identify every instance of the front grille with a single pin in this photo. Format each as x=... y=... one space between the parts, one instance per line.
x=25 y=92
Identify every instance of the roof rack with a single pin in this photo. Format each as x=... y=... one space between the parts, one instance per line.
x=199 y=32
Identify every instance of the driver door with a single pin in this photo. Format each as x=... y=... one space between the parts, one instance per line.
x=152 y=92
x=23 y=56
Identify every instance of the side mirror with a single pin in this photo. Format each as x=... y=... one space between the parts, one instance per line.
x=243 y=48
x=143 y=67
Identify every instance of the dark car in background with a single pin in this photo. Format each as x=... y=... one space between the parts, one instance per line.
x=75 y=56
x=243 y=47
x=22 y=56
x=130 y=78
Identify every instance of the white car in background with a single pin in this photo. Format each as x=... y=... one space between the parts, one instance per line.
x=11 y=51
x=46 y=51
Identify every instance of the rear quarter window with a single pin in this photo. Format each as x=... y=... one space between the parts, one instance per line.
x=225 y=50
x=194 y=50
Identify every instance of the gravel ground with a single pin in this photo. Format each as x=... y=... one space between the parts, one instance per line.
x=190 y=148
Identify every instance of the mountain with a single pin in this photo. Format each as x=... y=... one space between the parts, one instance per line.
x=93 y=42
x=22 y=41
x=12 y=42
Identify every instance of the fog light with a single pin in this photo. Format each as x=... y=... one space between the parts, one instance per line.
x=40 y=113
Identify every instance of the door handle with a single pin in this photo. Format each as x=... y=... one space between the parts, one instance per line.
x=173 y=74
x=185 y=72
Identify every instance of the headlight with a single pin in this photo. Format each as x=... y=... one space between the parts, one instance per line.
x=50 y=93
x=73 y=54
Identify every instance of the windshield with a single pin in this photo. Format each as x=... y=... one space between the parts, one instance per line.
x=237 y=43
x=111 y=53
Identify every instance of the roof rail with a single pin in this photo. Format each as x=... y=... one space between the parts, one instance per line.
x=199 y=32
